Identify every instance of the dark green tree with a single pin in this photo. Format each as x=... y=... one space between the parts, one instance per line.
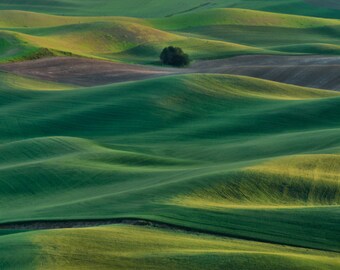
x=174 y=56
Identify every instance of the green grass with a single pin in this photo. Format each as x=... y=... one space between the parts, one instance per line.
x=115 y=39
x=125 y=247
x=240 y=17
x=278 y=33
x=211 y=34
x=252 y=160
x=8 y=81
x=12 y=48
x=117 y=144
x=298 y=181
x=161 y=8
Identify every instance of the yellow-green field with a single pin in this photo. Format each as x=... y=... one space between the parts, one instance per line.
x=127 y=247
x=215 y=33
x=180 y=171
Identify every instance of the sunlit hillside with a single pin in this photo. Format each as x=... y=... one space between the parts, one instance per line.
x=111 y=159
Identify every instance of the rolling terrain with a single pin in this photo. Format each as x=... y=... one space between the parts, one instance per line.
x=297 y=70
x=156 y=8
x=115 y=155
x=222 y=33
x=110 y=160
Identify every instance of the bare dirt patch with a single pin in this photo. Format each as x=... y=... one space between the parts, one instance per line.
x=81 y=71
x=310 y=70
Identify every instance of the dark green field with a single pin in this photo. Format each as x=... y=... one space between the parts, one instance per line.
x=163 y=168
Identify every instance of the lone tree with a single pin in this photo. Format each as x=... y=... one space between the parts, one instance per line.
x=174 y=56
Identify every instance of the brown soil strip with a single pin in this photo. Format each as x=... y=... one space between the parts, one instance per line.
x=82 y=71
x=311 y=71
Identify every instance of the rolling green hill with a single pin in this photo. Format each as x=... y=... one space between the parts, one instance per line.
x=211 y=34
x=125 y=247
x=239 y=17
x=157 y=8
x=186 y=171
x=114 y=38
x=10 y=81
x=117 y=143
x=271 y=32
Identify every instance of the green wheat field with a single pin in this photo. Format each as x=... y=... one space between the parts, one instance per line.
x=188 y=168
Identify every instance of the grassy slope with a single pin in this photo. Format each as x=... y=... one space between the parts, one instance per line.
x=269 y=31
x=210 y=34
x=116 y=155
x=13 y=48
x=161 y=8
x=9 y=81
x=112 y=37
x=125 y=247
x=253 y=159
x=240 y=17
x=298 y=181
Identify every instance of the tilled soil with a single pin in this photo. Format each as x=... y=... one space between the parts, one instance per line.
x=309 y=70
x=82 y=71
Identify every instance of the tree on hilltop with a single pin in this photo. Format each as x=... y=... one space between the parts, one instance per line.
x=174 y=56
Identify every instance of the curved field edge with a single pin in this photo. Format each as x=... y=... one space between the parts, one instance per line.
x=126 y=165
x=153 y=8
x=19 y=82
x=227 y=16
x=226 y=155
x=127 y=247
x=33 y=35
x=290 y=182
